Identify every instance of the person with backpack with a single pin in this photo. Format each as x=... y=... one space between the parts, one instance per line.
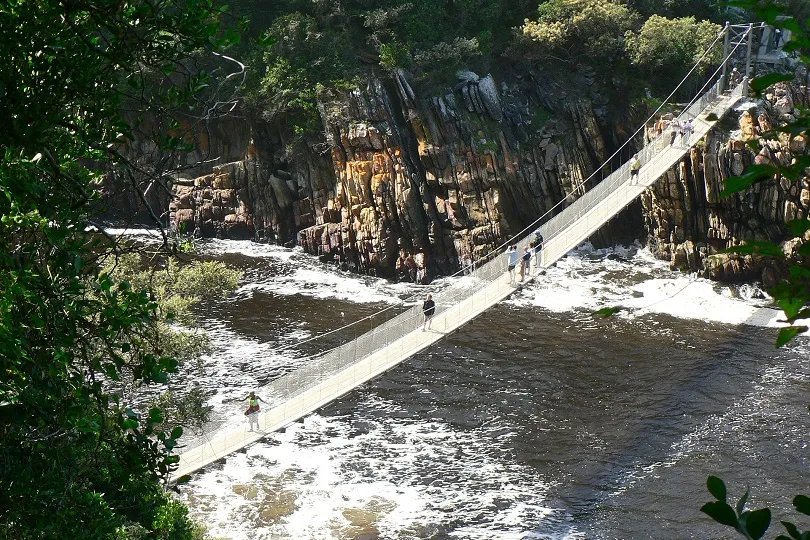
x=252 y=412
x=525 y=261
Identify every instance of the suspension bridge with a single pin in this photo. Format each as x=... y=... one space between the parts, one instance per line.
x=394 y=338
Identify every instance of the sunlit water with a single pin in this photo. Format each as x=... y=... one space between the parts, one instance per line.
x=536 y=420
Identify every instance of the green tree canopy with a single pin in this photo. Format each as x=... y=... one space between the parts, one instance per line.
x=75 y=460
x=587 y=31
x=673 y=46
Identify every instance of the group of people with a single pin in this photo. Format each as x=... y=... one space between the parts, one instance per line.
x=675 y=128
x=519 y=263
x=685 y=130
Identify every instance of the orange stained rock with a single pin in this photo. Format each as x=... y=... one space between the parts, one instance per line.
x=377 y=182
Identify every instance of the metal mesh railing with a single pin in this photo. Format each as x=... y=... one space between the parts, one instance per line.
x=648 y=155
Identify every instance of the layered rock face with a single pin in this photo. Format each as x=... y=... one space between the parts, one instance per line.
x=214 y=205
x=407 y=185
x=687 y=220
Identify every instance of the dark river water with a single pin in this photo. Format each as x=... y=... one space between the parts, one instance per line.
x=536 y=420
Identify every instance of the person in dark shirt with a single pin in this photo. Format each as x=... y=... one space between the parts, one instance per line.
x=428 y=308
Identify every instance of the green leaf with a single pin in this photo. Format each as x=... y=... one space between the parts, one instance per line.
x=720 y=512
x=802 y=504
x=757 y=522
x=754 y=174
x=717 y=488
x=183 y=479
x=786 y=334
x=790 y=305
x=753 y=247
x=155 y=416
x=607 y=312
x=792 y=530
x=798 y=226
x=758 y=84
x=743 y=500
x=177 y=432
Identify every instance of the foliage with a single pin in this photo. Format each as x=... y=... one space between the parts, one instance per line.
x=77 y=461
x=308 y=44
x=448 y=55
x=700 y=9
x=393 y=56
x=176 y=289
x=673 y=45
x=301 y=58
x=751 y=524
x=581 y=29
x=792 y=295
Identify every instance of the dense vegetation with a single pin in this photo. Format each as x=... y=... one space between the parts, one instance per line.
x=77 y=458
x=303 y=51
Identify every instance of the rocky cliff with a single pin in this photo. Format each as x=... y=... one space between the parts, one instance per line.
x=408 y=184
x=687 y=220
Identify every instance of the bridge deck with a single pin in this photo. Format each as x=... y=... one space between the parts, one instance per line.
x=450 y=318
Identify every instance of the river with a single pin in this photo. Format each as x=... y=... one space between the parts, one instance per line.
x=536 y=420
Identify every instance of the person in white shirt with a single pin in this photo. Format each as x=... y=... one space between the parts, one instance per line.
x=686 y=131
x=512 y=257
x=635 y=166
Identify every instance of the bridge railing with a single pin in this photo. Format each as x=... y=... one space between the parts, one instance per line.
x=653 y=150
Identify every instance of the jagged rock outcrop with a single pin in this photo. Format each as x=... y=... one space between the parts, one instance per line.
x=408 y=184
x=214 y=205
x=687 y=220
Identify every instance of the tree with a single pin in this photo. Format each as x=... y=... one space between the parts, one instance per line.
x=77 y=461
x=667 y=48
x=581 y=30
x=176 y=289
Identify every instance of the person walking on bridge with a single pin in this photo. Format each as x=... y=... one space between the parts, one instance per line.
x=635 y=166
x=252 y=412
x=525 y=261
x=428 y=309
x=511 y=262
x=538 y=247
x=674 y=128
x=686 y=132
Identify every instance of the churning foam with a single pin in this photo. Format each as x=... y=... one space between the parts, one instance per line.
x=385 y=477
x=632 y=279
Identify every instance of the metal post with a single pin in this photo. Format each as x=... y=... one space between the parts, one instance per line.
x=726 y=39
x=747 y=78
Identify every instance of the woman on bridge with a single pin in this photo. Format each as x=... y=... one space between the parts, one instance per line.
x=252 y=411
